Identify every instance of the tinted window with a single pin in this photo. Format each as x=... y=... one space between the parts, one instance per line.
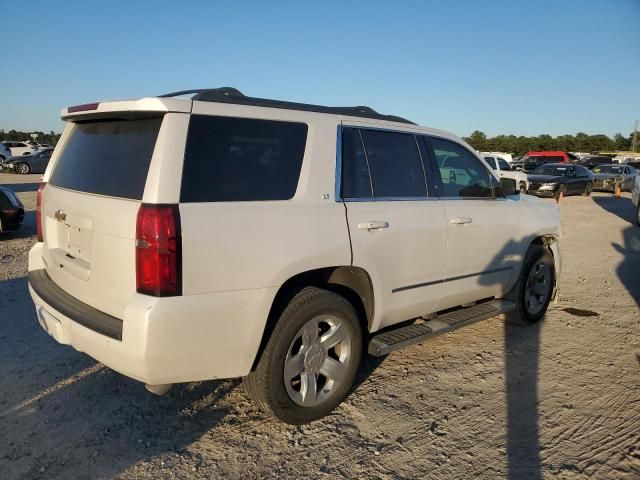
x=395 y=164
x=504 y=165
x=108 y=157
x=553 y=170
x=461 y=173
x=240 y=159
x=491 y=161
x=356 y=182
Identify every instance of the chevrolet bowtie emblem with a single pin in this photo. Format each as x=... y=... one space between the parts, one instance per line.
x=60 y=215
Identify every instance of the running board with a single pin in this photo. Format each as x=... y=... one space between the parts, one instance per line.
x=401 y=337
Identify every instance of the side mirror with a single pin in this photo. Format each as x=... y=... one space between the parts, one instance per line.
x=508 y=186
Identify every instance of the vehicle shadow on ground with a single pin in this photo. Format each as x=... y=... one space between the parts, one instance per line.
x=521 y=354
x=21 y=187
x=62 y=412
x=627 y=270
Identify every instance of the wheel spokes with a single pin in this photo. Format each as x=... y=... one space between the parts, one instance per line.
x=310 y=333
x=334 y=336
x=308 y=388
x=293 y=366
x=333 y=369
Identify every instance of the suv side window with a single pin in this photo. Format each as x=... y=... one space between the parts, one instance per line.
x=231 y=159
x=504 y=165
x=395 y=164
x=461 y=173
x=381 y=164
x=491 y=161
x=356 y=182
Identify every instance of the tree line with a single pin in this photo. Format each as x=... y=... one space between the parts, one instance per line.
x=50 y=138
x=519 y=145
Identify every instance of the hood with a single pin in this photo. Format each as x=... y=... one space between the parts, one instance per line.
x=545 y=178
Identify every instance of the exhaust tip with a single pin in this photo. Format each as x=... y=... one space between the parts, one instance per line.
x=158 y=389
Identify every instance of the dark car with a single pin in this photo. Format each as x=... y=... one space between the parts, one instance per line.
x=11 y=210
x=35 y=163
x=551 y=179
x=594 y=160
x=610 y=176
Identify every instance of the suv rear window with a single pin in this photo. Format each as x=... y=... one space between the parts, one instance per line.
x=109 y=157
x=231 y=159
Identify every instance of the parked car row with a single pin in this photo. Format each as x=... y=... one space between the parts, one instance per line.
x=35 y=162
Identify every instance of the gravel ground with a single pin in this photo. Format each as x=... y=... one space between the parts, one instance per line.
x=557 y=400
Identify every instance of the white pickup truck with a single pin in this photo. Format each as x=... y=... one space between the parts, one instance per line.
x=503 y=169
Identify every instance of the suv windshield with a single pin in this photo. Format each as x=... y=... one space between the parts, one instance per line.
x=108 y=157
x=553 y=170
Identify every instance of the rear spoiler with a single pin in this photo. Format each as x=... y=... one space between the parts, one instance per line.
x=118 y=107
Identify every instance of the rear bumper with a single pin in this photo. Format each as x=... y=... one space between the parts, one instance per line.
x=60 y=301
x=162 y=340
x=12 y=218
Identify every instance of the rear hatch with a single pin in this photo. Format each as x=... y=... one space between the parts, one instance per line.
x=89 y=208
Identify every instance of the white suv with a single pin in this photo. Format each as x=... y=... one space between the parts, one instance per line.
x=229 y=236
x=504 y=169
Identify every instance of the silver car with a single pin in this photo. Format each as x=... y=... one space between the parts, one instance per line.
x=609 y=176
x=35 y=163
x=635 y=198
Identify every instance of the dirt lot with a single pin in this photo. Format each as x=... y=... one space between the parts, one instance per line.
x=556 y=400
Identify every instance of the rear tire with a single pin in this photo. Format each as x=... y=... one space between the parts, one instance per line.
x=311 y=359
x=638 y=214
x=587 y=190
x=523 y=188
x=532 y=293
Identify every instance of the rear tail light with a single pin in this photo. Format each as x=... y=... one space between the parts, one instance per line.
x=39 y=211
x=158 y=251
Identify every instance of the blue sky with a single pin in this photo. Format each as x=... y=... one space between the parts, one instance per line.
x=512 y=67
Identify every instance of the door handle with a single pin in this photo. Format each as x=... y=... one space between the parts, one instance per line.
x=373 y=225
x=460 y=220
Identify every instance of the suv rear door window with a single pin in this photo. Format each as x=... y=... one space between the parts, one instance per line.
x=109 y=157
x=461 y=173
x=356 y=181
x=240 y=159
x=395 y=164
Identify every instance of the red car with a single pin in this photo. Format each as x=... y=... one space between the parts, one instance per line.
x=534 y=159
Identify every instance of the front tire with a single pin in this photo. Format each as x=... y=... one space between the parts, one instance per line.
x=23 y=168
x=561 y=189
x=588 y=189
x=638 y=214
x=311 y=359
x=532 y=293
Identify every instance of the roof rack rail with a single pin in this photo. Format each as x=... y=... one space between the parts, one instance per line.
x=232 y=95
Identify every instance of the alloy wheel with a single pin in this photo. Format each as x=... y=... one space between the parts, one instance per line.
x=317 y=360
x=538 y=288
